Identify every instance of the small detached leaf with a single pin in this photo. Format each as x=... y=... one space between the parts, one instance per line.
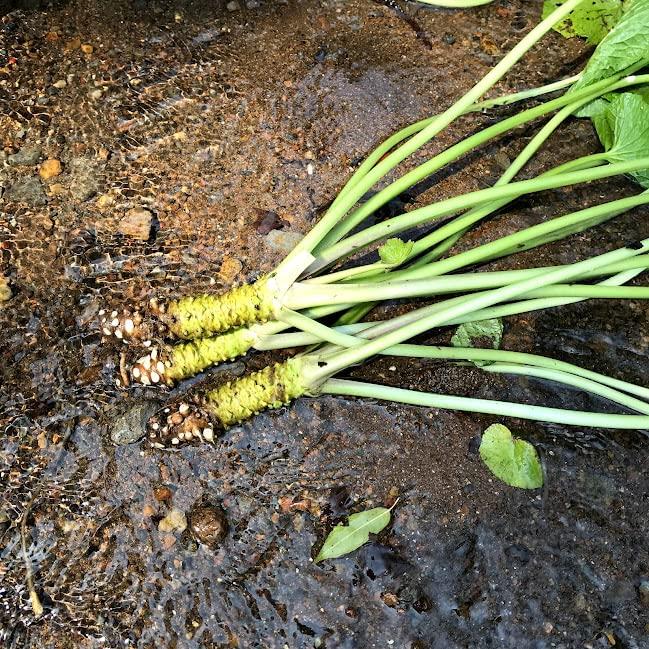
x=514 y=461
x=469 y=333
x=395 y=251
x=591 y=20
x=344 y=539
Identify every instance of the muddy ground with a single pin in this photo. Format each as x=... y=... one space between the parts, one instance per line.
x=233 y=127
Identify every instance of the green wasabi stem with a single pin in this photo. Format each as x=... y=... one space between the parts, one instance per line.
x=301 y=297
x=337 y=211
x=277 y=385
x=441 y=244
x=436 y=211
x=586 y=385
x=386 y=146
x=576 y=100
x=500 y=408
x=459 y=149
x=187 y=359
x=429 y=318
x=399 y=284
x=309 y=336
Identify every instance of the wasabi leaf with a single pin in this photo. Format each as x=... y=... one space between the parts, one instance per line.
x=344 y=539
x=468 y=333
x=624 y=46
x=514 y=461
x=395 y=251
x=591 y=20
x=623 y=129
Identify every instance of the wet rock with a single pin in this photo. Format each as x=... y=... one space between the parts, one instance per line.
x=209 y=525
x=130 y=426
x=267 y=221
x=519 y=553
x=619 y=594
x=85 y=183
x=282 y=241
x=50 y=168
x=27 y=190
x=26 y=156
x=252 y=4
x=174 y=521
x=233 y=6
x=643 y=593
x=137 y=224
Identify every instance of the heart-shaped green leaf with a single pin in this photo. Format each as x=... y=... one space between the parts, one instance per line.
x=514 y=461
x=626 y=45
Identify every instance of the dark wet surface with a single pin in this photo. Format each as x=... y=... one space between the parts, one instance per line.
x=209 y=119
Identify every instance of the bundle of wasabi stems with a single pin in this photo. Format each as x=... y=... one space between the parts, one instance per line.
x=317 y=299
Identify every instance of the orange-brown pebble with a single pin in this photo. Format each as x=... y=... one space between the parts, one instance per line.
x=86 y=48
x=50 y=168
x=162 y=493
x=168 y=541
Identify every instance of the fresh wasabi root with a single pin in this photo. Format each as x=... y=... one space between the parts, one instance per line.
x=196 y=316
x=171 y=364
x=205 y=315
x=229 y=404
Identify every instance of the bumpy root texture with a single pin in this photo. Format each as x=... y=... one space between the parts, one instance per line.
x=205 y=315
x=229 y=404
x=171 y=364
x=191 y=317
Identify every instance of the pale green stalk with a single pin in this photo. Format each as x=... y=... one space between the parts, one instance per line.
x=337 y=211
x=430 y=213
x=348 y=357
x=498 y=408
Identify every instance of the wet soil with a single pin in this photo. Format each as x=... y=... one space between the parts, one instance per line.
x=222 y=123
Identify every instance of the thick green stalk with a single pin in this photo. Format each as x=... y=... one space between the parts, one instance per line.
x=301 y=297
x=430 y=213
x=574 y=381
x=468 y=305
x=398 y=137
x=499 y=408
x=458 y=150
x=302 y=339
x=336 y=212
x=527 y=238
